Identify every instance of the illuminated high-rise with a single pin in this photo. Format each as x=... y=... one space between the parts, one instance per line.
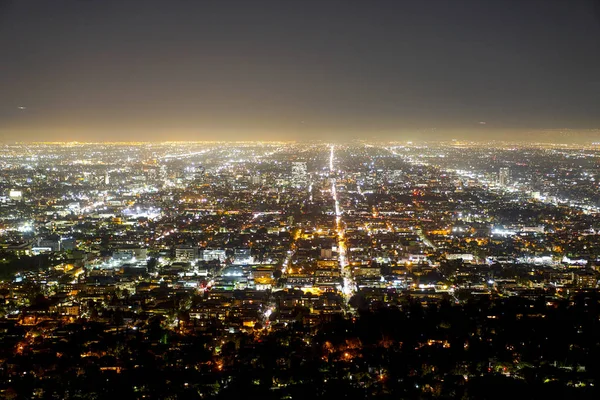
x=504 y=177
x=299 y=174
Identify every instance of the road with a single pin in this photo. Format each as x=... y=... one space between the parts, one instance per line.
x=425 y=239
x=348 y=286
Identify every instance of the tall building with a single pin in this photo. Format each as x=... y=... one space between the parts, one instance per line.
x=299 y=174
x=163 y=175
x=504 y=176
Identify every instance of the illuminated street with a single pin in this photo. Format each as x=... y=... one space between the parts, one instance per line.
x=348 y=282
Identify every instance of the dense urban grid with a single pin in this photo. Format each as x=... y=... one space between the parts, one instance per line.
x=286 y=270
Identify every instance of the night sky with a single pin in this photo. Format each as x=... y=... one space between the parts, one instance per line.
x=93 y=70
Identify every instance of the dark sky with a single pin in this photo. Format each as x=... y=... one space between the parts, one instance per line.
x=305 y=69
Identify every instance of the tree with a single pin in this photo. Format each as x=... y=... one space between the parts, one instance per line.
x=359 y=302
x=152 y=264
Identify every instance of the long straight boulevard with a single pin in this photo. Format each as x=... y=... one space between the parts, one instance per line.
x=348 y=282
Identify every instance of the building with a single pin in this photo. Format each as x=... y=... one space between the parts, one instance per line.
x=326 y=253
x=186 y=253
x=52 y=243
x=208 y=255
x=299 y=174
x=585 y=279
x=15 y=195
x=367 y=271
x=242 y=256
x=504 y=177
